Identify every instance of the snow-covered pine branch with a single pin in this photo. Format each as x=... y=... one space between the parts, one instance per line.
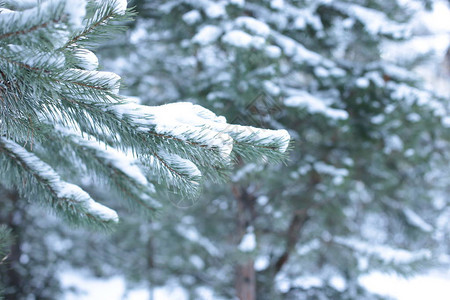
x=59 y=111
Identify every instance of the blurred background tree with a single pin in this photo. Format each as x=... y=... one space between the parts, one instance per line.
x=364 y=189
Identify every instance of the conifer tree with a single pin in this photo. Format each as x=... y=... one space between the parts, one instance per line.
x=61 y=120
x=358 y=193
x=58 y=111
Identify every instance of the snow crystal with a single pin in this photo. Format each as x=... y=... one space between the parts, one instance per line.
x=253 y=25
x=248 y=242
x=207 y=34
x=192 y=17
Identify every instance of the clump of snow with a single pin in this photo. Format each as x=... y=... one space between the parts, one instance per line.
x=120 y=6
x=375 y=22
x=193 y=122
x=362 y=82
x=183 y=165
x=207 y=35
x=192 y=17
x=86 y=59
x=273 y=51
x=214 y=10
x=277 y=4
x=76 y=10
x=314 y=105
x=241 y=39
x=416 y=220
x=253 y=25
x=271 y=88
x=248 y=242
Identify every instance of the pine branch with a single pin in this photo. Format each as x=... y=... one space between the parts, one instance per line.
x=70 y=200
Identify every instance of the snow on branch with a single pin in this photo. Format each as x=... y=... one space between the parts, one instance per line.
x=46 y=24
x=189 y=122
x=384 y=253
x=65 y=197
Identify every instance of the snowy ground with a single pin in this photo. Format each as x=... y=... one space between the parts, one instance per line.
x=434 y=285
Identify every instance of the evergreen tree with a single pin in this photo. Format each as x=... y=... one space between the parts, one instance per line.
x=358 y=193
x=61 y=119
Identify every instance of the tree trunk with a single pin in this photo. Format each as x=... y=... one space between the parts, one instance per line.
x=245 y=280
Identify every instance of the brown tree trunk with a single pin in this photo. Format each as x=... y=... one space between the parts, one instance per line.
x=245 y=280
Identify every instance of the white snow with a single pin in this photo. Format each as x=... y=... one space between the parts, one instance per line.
x=127 y=165
x=362 y=82
x=253 y=25
x=76 y=10
x=207 y=35
x=375 y=22
x=238 y=38
x=65 y=191
x=183 y=165
x=192 y=17
x=86 y=59
x=120 y=6
x=314 y=105
x=416 y=220
x=110 y=79
x=248 y=241
x=190 y=233
x=214 y=10
x=187 y=121
x=433 y=285
x=277 y=4
x=384 y=252
x=273 y=51
x=261 y=263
